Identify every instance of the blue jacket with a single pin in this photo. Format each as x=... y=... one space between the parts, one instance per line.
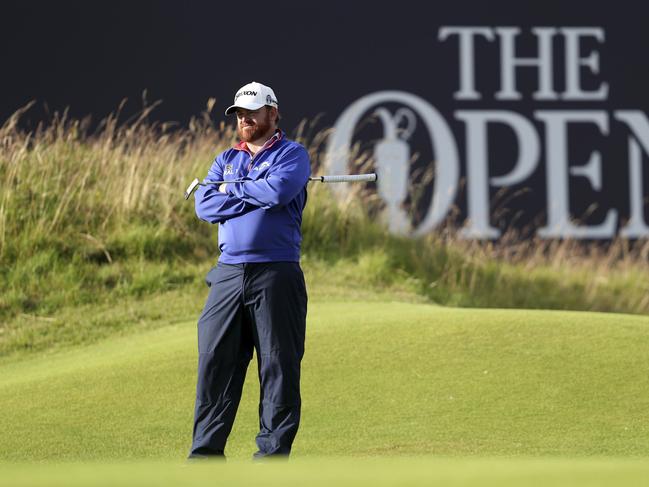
x=259 y=220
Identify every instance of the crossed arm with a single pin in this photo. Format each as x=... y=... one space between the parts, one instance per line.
x=213 y=206
x=284 y=180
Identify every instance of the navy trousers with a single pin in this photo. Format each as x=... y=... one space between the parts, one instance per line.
x=260 y=306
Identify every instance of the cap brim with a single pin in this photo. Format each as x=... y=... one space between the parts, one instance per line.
x=248 y=106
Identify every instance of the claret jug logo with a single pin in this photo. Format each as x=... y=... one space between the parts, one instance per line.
x=542 y=133
x=392 y=156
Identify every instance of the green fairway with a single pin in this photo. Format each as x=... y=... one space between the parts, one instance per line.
x=407 y=379
x=379 y=379
x=326 y=472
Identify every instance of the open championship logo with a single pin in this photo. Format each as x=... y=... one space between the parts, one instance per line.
x=391 y=155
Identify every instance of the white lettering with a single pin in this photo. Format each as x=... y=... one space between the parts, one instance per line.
x=467 y=75
x=574 y=63
x=509 y=62
x=639 y=125
x=478 y=225
x=559 y=223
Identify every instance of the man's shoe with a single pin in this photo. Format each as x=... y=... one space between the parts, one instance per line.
x=217 y=455
x=259 y=456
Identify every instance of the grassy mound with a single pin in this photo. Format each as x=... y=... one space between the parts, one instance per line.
x=379 y=379
x=92 y=225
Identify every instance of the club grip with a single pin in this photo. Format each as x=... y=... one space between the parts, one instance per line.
x=347 y=178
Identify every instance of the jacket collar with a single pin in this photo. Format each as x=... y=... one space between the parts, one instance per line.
x=278 y=135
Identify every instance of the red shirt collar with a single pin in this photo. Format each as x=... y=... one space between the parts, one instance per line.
x=278 y=135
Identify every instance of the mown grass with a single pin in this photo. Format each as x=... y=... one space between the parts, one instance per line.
x=97 y=219
x=379 y=379
x=328 y=471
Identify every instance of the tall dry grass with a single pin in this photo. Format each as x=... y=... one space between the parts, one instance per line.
x=88 y=214
x=61 y=179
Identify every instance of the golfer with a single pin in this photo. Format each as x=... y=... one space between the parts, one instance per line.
x=257 y=296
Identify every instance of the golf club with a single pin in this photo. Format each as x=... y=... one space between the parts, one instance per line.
x=335 y=178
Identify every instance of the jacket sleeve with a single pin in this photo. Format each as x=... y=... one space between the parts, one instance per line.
x=213 y=206
x=284 y=180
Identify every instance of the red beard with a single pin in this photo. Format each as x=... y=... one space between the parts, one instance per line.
x=249 y=130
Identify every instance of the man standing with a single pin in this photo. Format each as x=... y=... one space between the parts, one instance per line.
x=257 y=296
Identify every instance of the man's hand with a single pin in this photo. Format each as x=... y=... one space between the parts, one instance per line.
x=223 y=187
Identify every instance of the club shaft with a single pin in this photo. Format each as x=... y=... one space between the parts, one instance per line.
x=336 y=178
x=345 y=178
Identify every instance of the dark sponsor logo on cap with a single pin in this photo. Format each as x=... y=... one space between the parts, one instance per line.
x=270 y=101
x=245 y=93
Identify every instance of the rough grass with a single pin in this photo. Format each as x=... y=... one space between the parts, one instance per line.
x=96 y=221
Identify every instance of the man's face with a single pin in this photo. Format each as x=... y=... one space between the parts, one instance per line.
x=253 y=125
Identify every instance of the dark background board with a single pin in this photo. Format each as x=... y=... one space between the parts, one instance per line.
x=320 y=57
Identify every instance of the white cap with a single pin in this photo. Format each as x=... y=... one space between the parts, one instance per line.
x=252 y=97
